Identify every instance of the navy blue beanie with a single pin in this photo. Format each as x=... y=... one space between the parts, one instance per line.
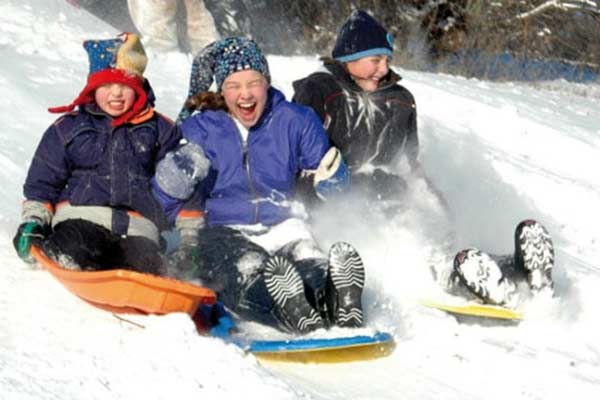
x=362 y=36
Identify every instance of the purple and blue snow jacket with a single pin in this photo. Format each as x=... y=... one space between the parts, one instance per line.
x=254 y=182
x=82 y=159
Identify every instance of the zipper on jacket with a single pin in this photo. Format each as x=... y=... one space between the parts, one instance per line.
x=246 y=164
x=112 y=144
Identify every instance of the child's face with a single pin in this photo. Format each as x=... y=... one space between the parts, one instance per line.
x=115 y=98
x=245 y=94
x=368 y=71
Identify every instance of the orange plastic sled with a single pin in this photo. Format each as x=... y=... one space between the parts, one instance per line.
x=124 y=291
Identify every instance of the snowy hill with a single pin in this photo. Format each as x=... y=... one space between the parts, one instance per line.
x=498 y=152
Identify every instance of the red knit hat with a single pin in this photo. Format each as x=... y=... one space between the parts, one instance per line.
x=121 y=60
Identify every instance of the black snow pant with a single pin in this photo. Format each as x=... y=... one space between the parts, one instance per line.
x=232 y=265
x=93 y=247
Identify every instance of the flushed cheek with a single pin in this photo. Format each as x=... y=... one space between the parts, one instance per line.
x=383 y=71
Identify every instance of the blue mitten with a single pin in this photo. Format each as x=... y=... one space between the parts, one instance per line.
x=224 y=327
x=223 y=324
x=332 y=176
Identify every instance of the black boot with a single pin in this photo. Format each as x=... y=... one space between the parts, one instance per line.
x=285 y=286
x=534 y=253
x=345 y=282
x=484 y=278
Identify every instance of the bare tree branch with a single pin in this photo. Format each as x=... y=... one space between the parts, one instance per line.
x=587 y=5
x=538 y=9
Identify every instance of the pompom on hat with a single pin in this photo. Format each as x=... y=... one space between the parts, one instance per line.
x=362 y=36
x=220 y=59
x=120 y=60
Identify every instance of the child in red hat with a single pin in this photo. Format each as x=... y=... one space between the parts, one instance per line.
x=88 y=199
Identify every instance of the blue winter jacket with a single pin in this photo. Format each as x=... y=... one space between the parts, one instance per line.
x=254 y=183
x=83 y=160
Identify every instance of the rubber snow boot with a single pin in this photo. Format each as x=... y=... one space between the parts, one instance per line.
x=484 y=278
x=345 y=283
x=534 y=253
x=285 y=286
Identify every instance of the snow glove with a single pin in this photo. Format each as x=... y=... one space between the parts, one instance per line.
x=185 y=258
x=222 y=323
x=36 y=217
x=180 y=171
x=217 y=319
x=32 y=232
x=332 y=175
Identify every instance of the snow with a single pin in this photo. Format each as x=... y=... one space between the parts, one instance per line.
x=499 y=152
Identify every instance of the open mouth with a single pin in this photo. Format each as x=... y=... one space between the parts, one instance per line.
x=247 y=110
x=116 y=104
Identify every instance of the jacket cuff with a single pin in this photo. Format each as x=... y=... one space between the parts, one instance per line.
x=189 y=222
x=37 y=211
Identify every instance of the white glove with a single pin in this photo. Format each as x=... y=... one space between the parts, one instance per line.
x=332 y=175
x=328 y=165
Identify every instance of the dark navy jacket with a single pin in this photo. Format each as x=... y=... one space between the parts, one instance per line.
x=255 y=183
x=83 y=160
x=374 y=128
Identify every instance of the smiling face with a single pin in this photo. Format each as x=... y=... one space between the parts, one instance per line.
x=245 y=94
x=115 y=98
x=368 y=71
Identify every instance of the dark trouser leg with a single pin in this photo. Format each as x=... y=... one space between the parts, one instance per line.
x=140 y=254
x=87 y=244
x=509 y=268
x=314 y=275
x=93 y=247
x=230 y=264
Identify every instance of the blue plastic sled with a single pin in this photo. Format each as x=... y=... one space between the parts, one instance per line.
x=324 y=350
x=306 y=350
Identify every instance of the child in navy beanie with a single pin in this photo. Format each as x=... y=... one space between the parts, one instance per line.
x=372 y=119
x=367 y=114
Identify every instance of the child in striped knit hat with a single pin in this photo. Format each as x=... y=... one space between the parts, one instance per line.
x=230 y=190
